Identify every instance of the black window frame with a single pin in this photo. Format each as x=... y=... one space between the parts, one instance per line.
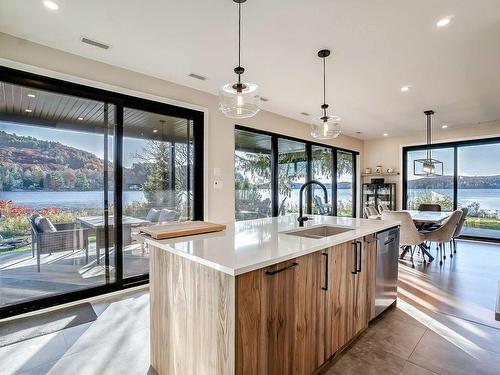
x=455 y=145
x=308 y=150
x=120 y=101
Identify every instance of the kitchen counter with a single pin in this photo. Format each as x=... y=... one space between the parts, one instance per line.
x=246 y=246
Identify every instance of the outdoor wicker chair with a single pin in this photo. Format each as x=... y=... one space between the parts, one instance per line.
x=67 y=237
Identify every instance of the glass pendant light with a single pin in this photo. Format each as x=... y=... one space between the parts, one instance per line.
x=240 y=99
x=428 y=167
x=325 y=126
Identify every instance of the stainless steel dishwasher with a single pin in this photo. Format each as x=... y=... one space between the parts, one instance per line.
x=386 y=285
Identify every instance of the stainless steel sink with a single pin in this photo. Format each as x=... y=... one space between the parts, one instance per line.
x=319 y=231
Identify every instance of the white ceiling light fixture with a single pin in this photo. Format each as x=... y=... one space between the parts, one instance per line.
x=31 y=96
x=240 y=99
x=80 y=118
x=385 y=134
x=443 y=22
x=325 y=126
x=405 y=88
x=52 y=5
x=27 y=110
x=444 y=126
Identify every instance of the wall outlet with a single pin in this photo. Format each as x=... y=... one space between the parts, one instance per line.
x=218 y=184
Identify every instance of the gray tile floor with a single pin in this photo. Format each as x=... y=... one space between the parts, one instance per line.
x=405 y=340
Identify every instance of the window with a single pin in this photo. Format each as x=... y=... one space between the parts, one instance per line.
x=292 y=169
x=81 y=170
x=471 y=180
x=434 y=189
x=270 y=170
x=252 y=175
x=346 y=190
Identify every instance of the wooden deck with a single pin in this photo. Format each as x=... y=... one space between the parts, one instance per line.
x=60 y=272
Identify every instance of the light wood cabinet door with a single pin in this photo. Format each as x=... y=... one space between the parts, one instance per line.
x=280 y=318
x=339 y=299
x=370 y=243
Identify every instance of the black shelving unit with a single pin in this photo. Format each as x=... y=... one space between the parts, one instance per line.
x=375 y=194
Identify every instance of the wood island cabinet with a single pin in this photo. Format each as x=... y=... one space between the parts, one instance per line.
x=288 y=318
x=295 y=315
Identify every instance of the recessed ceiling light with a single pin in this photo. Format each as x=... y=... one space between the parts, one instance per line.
x=31 y=96
x=405 y=88
x=155 y=130
x=51 y=5
x=28 y=110
x=80 y=118
x=385 y=134
x=443 y=22
x=444 y=126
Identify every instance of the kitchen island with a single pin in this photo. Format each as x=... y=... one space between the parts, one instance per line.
x=261 y=298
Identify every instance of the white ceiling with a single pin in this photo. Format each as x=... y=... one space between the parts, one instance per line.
x=378 y=46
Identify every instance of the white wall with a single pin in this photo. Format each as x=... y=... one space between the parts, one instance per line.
x=388 y=151
x=220 y=130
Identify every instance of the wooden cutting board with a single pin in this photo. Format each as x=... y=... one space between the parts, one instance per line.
x=188 y=228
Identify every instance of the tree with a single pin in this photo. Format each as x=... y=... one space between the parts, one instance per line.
x=81 y=182
x=55 y=180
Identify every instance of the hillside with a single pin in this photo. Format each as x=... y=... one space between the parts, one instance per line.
x=27 y=163
x=464 y=182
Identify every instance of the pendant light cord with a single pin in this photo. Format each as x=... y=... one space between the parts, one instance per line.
x=324 y=86
x=239 y=40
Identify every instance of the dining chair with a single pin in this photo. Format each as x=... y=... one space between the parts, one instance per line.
x=370 y=212
x=409 y=237
x=458 y=230
x=383 y=207
x=444 y=234
x=429 y=207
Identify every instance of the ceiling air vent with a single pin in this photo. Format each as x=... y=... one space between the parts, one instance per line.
x=305 y=114
x=94 y=43
x=197 y=76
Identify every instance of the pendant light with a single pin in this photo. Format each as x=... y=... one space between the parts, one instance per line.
x=428 y=167
x=325 y=126
x=240 y=99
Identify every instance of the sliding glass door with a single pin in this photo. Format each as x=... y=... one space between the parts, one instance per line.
x=479 y=189
x=81 y=170
x=157 y=179
x=471 y=180
x=55 y=170
x=271 y=168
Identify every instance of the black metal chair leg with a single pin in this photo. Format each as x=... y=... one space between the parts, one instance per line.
x=454 y=245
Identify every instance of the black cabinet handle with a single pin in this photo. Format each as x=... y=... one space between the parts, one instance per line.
x=272 y=273
x=326 y=271
x=358 y=243
x=389 y=240
x=355 y=247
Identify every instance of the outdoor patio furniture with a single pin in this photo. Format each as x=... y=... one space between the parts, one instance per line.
x=322 y=208
x=264 y=208
x=66 y=237
x=96 y=225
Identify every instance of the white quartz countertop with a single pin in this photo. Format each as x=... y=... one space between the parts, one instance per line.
x=249 y=245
